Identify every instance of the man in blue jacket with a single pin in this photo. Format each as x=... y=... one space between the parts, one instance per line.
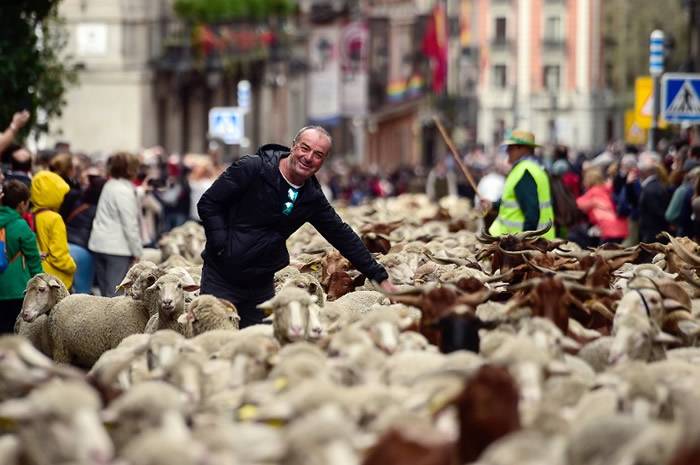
x=255 y=205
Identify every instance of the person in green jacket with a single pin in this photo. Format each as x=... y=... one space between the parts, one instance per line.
x=22 y=251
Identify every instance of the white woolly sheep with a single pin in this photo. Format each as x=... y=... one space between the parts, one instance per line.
x=208 y=313
x=42 y=293
x=141 y=408
x=139 y=277
x=234 y=440
x=169 y=444
x=23 y=367
x=165 y=300
x=61 y=424
x=307 y=282
x=83 y=327
x=289 y=310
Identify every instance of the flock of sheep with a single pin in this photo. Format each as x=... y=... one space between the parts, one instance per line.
x=578 y=357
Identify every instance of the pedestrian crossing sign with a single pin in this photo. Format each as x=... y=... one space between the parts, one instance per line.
x=681 y=97
x=226 y=123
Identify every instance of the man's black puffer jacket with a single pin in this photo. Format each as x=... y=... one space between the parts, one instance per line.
x=247 y=231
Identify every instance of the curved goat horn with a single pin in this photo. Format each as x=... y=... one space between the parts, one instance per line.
x=592 y=290
x=685 y=254
x=485 y=237
x=529 y=284
x=536 y=232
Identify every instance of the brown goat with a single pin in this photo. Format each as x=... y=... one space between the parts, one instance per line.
x=412 y=443
x=487 y=409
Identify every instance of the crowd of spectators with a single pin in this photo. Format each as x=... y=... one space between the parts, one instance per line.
x=91 y=217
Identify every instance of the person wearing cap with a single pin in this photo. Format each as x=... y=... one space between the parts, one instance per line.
x=526 y=203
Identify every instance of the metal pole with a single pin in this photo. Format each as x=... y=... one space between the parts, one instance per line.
x=656 y=69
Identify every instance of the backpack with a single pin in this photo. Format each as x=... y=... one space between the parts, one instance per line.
x=4 y=259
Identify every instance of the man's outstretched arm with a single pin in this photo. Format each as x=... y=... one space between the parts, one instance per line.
x=342 y=237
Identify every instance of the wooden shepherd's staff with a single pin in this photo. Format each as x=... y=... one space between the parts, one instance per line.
x=453 y=150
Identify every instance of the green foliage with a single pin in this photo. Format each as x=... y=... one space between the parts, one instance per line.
x=213 y=11
x=33 y=73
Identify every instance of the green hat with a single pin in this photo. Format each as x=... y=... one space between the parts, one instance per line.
x=518 y=137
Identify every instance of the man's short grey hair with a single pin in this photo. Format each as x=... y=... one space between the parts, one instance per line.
x=320 y=129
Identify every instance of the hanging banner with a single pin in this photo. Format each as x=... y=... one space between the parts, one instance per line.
x=324 y=76
x=354 y=46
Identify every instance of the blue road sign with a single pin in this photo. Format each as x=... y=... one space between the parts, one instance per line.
x=680 y=100
x=227 y=124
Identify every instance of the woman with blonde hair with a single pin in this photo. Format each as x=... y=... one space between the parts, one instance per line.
x=597 y=203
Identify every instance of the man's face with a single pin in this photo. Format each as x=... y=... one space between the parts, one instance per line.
x=309 y=153
x=515 y=152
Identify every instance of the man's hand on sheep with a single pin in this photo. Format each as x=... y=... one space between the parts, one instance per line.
x=388 y=286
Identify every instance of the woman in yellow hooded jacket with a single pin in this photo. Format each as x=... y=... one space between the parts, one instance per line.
x=48 y=190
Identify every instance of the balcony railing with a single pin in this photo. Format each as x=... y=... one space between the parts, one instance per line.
x=216 y=46
x=501 y=44
x=554 y=44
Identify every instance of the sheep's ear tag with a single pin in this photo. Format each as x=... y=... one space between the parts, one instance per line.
x=8 y=424
x=247 y=412
x=280 y=383
x=275 y=423
x=266 y=307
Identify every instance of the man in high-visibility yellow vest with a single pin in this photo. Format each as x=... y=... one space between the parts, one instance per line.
x=526 y=203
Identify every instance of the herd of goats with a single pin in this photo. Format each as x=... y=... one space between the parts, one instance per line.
x=493 y=351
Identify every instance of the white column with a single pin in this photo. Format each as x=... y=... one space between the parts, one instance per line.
x=582 y=45
x=524 y=61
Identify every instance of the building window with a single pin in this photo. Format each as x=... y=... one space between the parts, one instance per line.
x=500 y=79
x=551 y=76
x=552 y=28
x=500 y=31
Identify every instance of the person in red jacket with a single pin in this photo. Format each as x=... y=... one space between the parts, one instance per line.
x=597 y=204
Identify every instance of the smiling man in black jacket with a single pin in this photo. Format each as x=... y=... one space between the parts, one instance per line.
x=255 y=205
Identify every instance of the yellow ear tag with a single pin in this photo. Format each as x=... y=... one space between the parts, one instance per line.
x=275 y=423
x=247 y=412
x=7 y=424
x=438 y=402
x=280 y=383
x=315 y=267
